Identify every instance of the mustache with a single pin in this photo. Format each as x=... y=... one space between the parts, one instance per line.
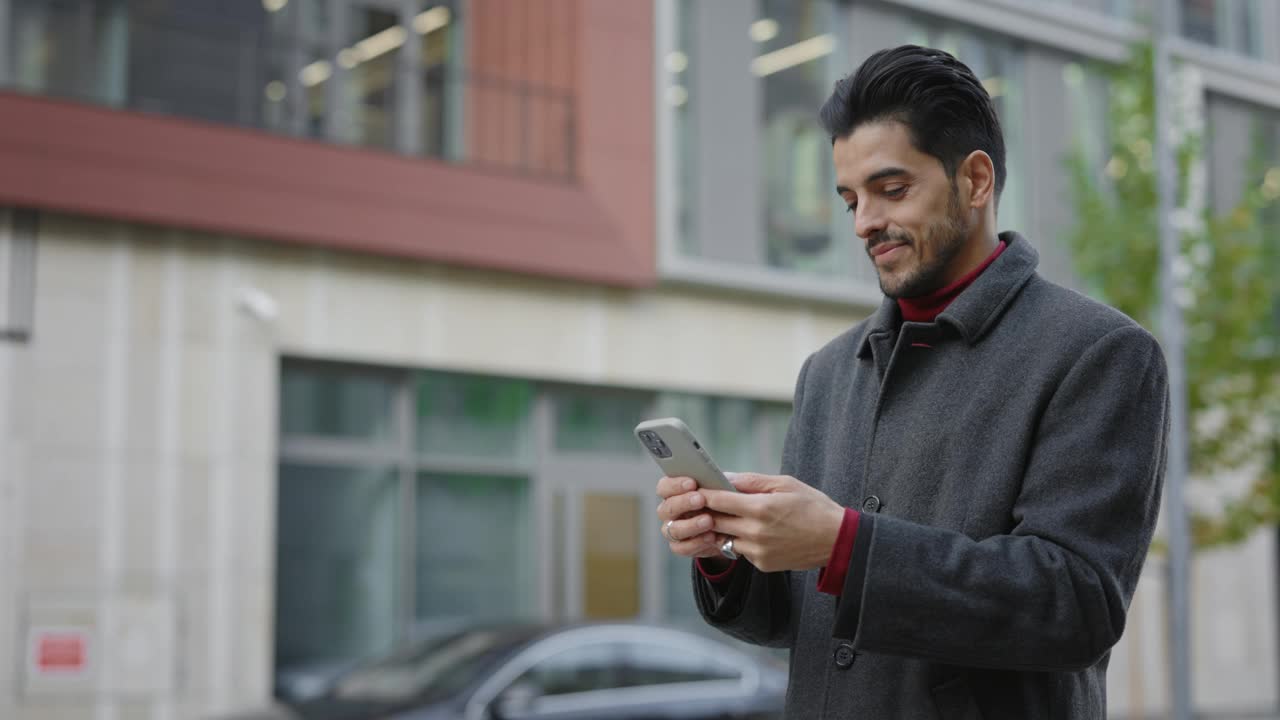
x=886 y=236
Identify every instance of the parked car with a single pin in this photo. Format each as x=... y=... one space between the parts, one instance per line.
x=579 y=672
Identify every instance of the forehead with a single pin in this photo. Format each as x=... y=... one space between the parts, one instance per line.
x=877 y=145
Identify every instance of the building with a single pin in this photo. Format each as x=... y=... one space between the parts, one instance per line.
x=325 y=319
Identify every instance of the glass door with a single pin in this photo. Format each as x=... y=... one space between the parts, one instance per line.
x=602 y=542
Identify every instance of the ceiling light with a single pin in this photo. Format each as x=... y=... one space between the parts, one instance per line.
x=677 y=95
x=677 y=62
x=274 y=5
x=347 y=58
x=430 y=20
x=994 y=86
x=316 y=73
x=764 y=30
x=792 y=55
x=275 y=91
x=380 y=43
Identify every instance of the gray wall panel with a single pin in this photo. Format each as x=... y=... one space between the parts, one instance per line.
x=727 y=219
x=1049 y=131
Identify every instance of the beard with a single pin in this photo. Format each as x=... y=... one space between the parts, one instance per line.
x=945 y=236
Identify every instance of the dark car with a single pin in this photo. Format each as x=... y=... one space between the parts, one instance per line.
x=519 y=672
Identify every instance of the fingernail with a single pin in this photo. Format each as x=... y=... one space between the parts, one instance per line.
x=696 y=501
x=689 y=485
x=704 y=522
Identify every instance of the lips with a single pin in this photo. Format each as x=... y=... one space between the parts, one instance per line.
x=886 y=250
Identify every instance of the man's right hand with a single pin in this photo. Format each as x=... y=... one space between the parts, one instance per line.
x=690 y=533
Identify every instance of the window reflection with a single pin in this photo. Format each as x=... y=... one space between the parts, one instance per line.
x=794 y=51
x=1233 y=25
x=336 y=571
x=464 y=573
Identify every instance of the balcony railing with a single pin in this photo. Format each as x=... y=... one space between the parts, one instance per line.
x=389 y=91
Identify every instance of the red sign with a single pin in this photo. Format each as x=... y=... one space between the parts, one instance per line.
x=61 y=652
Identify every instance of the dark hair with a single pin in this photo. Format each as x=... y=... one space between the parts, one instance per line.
x=947 y=111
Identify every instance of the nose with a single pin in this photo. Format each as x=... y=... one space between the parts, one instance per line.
x=868 y=220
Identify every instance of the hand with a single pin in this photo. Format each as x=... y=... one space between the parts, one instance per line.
x=690 y=534
x=777 y=522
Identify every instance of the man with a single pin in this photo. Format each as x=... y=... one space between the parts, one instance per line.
x=971 y=476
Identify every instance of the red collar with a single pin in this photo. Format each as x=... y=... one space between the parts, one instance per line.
x=927 y=308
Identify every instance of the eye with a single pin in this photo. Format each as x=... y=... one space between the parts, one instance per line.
x=896 y=192
x=851 y=208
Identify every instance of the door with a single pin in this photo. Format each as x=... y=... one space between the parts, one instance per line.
x=598 y=491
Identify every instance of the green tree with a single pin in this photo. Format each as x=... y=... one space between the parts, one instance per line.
x=1231 y=269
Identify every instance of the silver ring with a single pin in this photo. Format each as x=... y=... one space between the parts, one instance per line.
x=666 y=531
x=727 y=550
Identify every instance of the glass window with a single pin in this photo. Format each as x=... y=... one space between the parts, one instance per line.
x=684 y=127
x=1199 y=21
x=337 y=576
x=597 y=666
x=441 y=121
x=374 y=39
x=337 y=402
x=599 y=420
x=69 y=48
x=1086 y=94
x=789 y=50
x=794 y=47
x=774 y=418
x=681 y=609
x=1233 y=25
x=724 y=425
x=465 y=573
x=474 y=416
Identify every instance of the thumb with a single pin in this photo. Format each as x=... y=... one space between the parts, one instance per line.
x=753 y=482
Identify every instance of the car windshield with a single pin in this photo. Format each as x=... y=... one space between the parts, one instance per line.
x=432 y=669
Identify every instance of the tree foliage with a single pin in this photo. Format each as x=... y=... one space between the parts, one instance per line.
x=1229 y=274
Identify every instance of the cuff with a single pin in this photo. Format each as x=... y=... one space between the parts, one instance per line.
x=716 y=578
x=831 y=578
x=849 y=606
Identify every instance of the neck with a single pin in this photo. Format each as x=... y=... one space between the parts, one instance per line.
x=976 y=251
x=928 y=307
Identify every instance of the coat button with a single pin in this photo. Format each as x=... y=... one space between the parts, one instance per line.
x=845 y=655
x=871 y=504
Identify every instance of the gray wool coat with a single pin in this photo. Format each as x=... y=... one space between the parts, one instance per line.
x=1008 y=460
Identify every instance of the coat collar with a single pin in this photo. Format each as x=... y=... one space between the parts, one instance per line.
x=978 y=308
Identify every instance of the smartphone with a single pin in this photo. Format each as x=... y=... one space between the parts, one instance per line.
x=679 y=454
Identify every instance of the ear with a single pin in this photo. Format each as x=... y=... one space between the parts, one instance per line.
x=977 y=177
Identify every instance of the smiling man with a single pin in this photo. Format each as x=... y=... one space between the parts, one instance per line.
x=971 y=476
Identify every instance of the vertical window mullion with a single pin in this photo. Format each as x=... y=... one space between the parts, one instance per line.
x=405 y=422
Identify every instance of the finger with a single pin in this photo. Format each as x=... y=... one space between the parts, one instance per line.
x=684 y=529
x=680 y=506
x=733 y=503
x=672 y=486
x=698 y=545
x=736 y=527
x=757 y=483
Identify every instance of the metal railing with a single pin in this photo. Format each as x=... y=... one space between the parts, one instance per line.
x=249 y=73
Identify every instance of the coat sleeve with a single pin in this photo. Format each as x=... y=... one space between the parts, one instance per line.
x=751 y=605
x=1053 y=593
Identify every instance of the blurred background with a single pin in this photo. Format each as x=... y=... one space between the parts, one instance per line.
x=325 y=323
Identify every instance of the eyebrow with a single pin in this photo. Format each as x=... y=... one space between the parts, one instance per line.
x=877 y=175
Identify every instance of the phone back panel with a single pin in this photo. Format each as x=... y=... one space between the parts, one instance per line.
x=688 y=457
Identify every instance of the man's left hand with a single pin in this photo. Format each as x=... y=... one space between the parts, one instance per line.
x=777 y=522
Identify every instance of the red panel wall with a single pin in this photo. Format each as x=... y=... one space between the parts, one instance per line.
x=170 y=171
